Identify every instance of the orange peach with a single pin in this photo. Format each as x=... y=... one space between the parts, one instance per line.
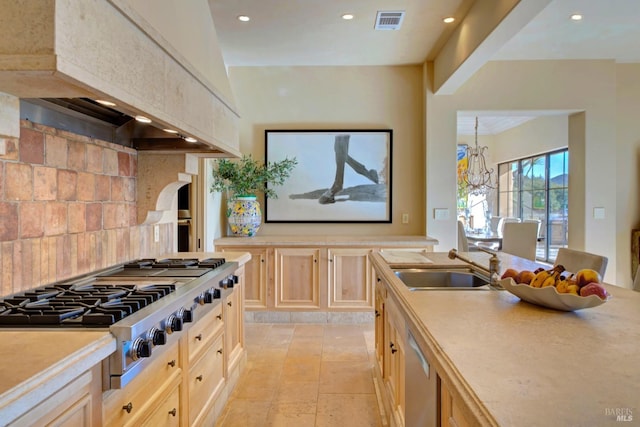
x=586 y=276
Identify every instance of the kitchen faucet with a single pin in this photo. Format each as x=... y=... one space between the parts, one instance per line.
x=494 y=264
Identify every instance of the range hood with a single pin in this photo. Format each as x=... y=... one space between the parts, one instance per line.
x=85 y=116
x=76 y=52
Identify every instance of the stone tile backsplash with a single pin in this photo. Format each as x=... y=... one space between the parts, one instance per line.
x=68 y=206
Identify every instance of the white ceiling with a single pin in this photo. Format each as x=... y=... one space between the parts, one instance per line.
x=312 y=33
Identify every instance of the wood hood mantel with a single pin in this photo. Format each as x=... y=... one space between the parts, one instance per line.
x=103 y=49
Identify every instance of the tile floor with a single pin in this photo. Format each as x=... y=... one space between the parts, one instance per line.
x=305 y=375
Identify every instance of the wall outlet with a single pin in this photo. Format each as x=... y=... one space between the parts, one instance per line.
x=405 y=218
x=156 y=233
x=441 y=214
x=598 y=213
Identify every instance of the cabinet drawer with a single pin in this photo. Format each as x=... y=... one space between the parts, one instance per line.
x=125 y=406
x=168 y=413
x=205 y=379
x=200 y=334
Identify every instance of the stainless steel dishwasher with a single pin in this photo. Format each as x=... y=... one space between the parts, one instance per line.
x=421 y=387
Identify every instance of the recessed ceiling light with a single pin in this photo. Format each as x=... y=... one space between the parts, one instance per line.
x=105 y=103
x=244 y=18
x=190 y=139
x=143 y=119
x=448 y=19
x=347 y=16
x=576 y=17
x=170 y=130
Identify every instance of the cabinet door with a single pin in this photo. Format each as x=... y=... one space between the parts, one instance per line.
x=296 y=278
x=256 y=280
x=394 y=360
x=205 y=382
x=168 y=413
x=380 y=319
x=232 y=324
x=450 y=414
x=73 y=405
x=350 y=278
x=129 y=405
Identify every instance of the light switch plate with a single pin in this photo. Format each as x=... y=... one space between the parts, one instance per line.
x=156 y=233
x=441 y=214
x=598 y=213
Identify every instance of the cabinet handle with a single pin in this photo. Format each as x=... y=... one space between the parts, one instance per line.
x=229 y=303
x=219 y=351
x=173 y=412
x=315 y=260
x=199 y=378
x=219 y=317
x=128 y=407
x=377 y=313
x=199 y=337
x=393 y=350
x=172 y=363
x=378 y=279
x=392 y=345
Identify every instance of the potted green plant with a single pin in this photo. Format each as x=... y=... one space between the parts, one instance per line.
x=241 y=180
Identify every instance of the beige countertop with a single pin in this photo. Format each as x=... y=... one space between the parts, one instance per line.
x=37 y=362
x=322 y=240
x=517 y=364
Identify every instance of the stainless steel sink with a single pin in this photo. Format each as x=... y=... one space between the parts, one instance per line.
x=435 y=278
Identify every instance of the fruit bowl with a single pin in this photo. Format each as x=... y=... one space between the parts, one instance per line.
x=549 y=297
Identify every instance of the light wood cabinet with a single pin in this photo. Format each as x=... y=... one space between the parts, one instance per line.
x=450 y=414
x=308 y=273
x=234 y=327
x=349 y=278
x=141 y=398
x=256 y=273
x=394 y=361
x=205 y=381
x=296 y=277
x=380 y=321
x=200 y=335
x=168 y=412
x=76 y=404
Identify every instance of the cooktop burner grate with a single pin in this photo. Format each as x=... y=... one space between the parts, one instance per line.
x=87 y=305
x=175 y=263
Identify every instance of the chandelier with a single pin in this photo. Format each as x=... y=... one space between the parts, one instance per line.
x=477 y=178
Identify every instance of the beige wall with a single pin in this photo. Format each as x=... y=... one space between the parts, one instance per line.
x=628 y=165
x=587 y=86
x=341 y=98
x=540 y=135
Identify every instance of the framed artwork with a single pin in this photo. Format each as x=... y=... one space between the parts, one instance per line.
x=341 y=175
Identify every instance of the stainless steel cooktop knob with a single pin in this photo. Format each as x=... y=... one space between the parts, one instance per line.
x=157 y=336
x=141 y=348
x=173 y=324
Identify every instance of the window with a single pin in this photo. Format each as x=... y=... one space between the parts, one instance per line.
x=537 y=188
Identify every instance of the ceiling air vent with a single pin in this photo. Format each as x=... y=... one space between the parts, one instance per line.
x=390 y=20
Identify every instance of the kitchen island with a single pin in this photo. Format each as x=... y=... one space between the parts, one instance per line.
x=54 y=375
x=507 y=362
